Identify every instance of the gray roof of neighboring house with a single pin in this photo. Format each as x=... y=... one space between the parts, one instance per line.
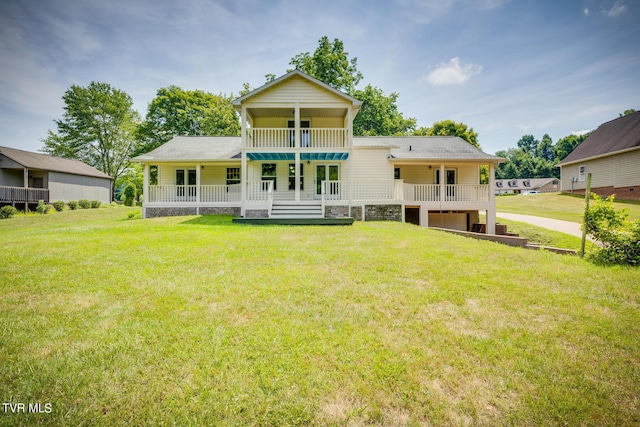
x=620 y=134
x=39 y=161
x=191 y=148
x=523 y=184
x=434 y=148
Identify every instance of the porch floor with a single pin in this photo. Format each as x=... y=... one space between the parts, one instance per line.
x=294 y=221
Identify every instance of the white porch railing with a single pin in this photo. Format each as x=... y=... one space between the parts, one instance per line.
x=453 y=193
x=259 y=190
x=285 y=138
x=189 y=193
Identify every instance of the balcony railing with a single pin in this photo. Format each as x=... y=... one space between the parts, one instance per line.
x=314 y=138
x=452 y=193
x=23 y=195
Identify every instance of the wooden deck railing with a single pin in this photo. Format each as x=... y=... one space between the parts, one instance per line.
x=23 y=195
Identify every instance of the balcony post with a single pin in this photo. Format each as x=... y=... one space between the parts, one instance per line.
x=26 y=189
x=243 y=166
x=296 y=125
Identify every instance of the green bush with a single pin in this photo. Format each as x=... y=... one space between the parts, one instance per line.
x=129 y=194
x=58 y=205
x=73 y=204
x=618 y=238
x=42 y=207
x=95 y=204
x=84 y=204
x=7 y=212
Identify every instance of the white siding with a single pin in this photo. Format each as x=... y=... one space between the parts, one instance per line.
x=67 y=187
x=296 y=89
x=371 y=163
x=621 y=170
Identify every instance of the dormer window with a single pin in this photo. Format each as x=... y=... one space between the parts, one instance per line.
x=526 y=183
x=513 y=183
x=499 y=184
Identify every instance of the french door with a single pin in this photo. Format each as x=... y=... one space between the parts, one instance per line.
x=186 y=184
x=450 y=175
x=326 y=172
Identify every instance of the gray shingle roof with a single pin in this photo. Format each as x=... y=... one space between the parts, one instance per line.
x=45 y=162
x=195 y=148
x=428 y=147
x=620 y=134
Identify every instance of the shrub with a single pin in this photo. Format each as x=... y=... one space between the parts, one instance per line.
x=84 y=204
x=134 y=215
x=7 y=212
x=73 y=204
x=129 y=194
x=618 y=238
x=42 y=207
x=58 y=205
x=95 y=204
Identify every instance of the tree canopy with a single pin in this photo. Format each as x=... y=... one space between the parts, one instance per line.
x=175 y=111
x=451 y=128
x=97 y=127
x=330 y=64
x=379 y=114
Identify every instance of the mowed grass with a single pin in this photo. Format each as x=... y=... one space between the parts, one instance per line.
x=196 y=321
x=556 y=205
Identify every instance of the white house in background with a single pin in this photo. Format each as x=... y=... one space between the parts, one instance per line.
x=523 y=186
x=297 y=158
x=26 y=178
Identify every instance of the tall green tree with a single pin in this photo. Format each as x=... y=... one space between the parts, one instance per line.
x=330 y=64
x=566 y=145
x=97 y=127
x=379 y=114
x=451 y=128
x=175 y=111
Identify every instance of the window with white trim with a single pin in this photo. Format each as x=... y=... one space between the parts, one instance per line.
x=233 y=176
x=269 y=173
x=292 y=176
x=582 y=172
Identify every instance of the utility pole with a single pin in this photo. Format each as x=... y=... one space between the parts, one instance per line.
x=587 y=193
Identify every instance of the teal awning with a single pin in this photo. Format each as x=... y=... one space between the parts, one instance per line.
x=324 y=156
x=271 y=156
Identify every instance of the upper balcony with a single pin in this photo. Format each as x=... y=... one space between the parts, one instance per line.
x=311 y=138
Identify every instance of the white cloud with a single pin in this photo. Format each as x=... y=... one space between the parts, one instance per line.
x=585 y=11
x=581 y=132
x=618 y=8
x=452 y=73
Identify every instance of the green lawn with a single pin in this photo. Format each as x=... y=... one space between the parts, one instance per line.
x=555 y=205
x=196 y=321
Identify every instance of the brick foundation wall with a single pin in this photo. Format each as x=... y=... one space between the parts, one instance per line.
x=622 y=193
x=383 y=212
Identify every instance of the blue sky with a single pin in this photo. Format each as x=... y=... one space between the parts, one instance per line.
x=507 y=68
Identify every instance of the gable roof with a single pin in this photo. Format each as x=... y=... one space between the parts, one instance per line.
x=195 y=148
x=433 y=148
x=611 y=137
x=295 y=73
x=46 y=162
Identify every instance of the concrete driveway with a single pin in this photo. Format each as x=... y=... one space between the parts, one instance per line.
x=567 y=227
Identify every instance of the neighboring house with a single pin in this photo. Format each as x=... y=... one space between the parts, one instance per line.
x=26 y=178
x=611 y=154
x=520 y=186
x=297 y=158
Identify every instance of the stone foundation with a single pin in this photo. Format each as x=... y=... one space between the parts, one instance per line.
x=336 y=211
x=235 y=211
x=157 y=212
x=383 y=213
x=356 y=213
x=256 y=213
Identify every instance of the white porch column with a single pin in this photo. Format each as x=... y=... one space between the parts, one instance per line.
x=350 y=158
x=145 y=188
x=296 y=124
x=26 y=189
x=243 y=166
x=443 y=180
x=491 y=212
x=198 y=168
x=297 y=175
